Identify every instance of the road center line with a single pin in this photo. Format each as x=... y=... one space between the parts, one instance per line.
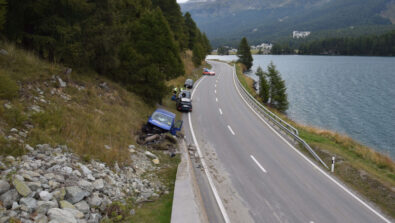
x=210 y=180
x=230 y=129
x=257 y=163
x=215 y=85
x=215 y=91
x=220 y=111
x=216 y=99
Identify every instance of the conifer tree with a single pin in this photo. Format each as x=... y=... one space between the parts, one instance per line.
x=278 y=94
x=3 y=8
x=172 y=12
x=244 y=53
x=191 y=30
x=198 y=54
x=264 y=88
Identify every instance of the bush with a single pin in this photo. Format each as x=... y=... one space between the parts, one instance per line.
x=8 y=87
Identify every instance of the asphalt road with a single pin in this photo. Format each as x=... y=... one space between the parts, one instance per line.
x=273 y=181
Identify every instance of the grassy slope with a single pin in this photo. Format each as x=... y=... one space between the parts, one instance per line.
x=93 y=117
x=370 y=173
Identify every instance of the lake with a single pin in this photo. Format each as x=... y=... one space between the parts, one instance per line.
x=348 y=94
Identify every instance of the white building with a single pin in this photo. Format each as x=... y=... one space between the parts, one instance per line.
x=300 y=34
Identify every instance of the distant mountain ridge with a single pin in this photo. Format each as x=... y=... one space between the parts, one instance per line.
x=226 y=21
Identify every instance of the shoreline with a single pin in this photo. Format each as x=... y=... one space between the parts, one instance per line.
x=368 y=172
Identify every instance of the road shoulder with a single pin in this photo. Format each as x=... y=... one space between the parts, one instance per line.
x=187 y=201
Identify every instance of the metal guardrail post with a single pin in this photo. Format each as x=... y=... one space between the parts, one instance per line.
x=277 y=120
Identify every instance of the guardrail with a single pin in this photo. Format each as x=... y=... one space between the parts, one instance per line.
x=261 y=109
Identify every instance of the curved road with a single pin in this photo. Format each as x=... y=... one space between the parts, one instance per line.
x=274 y=182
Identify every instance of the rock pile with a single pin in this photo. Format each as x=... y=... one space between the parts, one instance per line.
x=53 y=185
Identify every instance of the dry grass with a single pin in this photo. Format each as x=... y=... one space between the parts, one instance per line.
x=191 y=71
x=94 y=116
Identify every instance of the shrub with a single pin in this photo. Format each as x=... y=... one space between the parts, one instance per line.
x=8 y=87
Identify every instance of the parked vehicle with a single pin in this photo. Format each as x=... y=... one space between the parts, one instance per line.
x=162 y=121
x=184 y=104
x=188 y=83
x=208 y=72
x=184 y=94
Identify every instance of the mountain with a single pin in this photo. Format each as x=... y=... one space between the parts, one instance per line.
x=226 y=21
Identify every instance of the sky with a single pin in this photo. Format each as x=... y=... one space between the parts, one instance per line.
x=181 y=1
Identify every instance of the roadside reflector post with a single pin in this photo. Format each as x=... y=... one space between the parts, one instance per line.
x=333 y=164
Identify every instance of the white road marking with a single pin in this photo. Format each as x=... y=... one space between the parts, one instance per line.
x=216 y=81
x=230 y=129
x=308 y=160
x=220 y=111
x=215 y=85
x=257 y=163
x=215 y=91
x=216 y=99
x=210 y=181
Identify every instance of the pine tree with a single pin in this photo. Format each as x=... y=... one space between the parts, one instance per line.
x=198 y=54
x=3 y=9
x=191 y=30
x=264 y=88
x=172 y=12
x=206 y=43
x=278 y=95
x=223 y=50
x=244 y=53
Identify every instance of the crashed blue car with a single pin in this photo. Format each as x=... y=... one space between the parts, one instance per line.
x=162 y=121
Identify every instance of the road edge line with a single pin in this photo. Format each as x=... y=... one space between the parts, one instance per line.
x=210 y=181
x=308 y=160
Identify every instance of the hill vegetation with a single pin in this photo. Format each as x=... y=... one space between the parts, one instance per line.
x=136 y=43
x=271 y=21
x=381 y=45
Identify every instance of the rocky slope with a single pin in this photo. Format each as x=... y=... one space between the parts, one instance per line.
x=68 y=149
x=54 y=185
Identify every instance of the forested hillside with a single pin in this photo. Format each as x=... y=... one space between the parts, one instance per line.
x=226 y=22
x=135 y=42
x=372 y=45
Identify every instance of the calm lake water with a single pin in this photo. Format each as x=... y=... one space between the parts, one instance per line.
x=347 y=94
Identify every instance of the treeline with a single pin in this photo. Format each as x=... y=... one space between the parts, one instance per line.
x=272 y=89
x=382 y=45
x=135 y=42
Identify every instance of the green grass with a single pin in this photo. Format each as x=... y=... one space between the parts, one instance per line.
x=93 y=117
x=159 y=211
x=367 y=171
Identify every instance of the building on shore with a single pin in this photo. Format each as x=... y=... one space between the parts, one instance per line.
x=300 y=34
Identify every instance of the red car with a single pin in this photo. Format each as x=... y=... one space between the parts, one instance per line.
x=208 y=72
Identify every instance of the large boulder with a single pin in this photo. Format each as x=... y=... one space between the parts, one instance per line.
x=95 y=200
x=98 y=184
x=57 y=215
x=66 y=204
x=75 y=194
x=82 y=206
x=45 y=195
x=76 y=213
x=28 y=203
x=4 y=186
x=44 y=206
x=9 y=197
x=21 y=187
